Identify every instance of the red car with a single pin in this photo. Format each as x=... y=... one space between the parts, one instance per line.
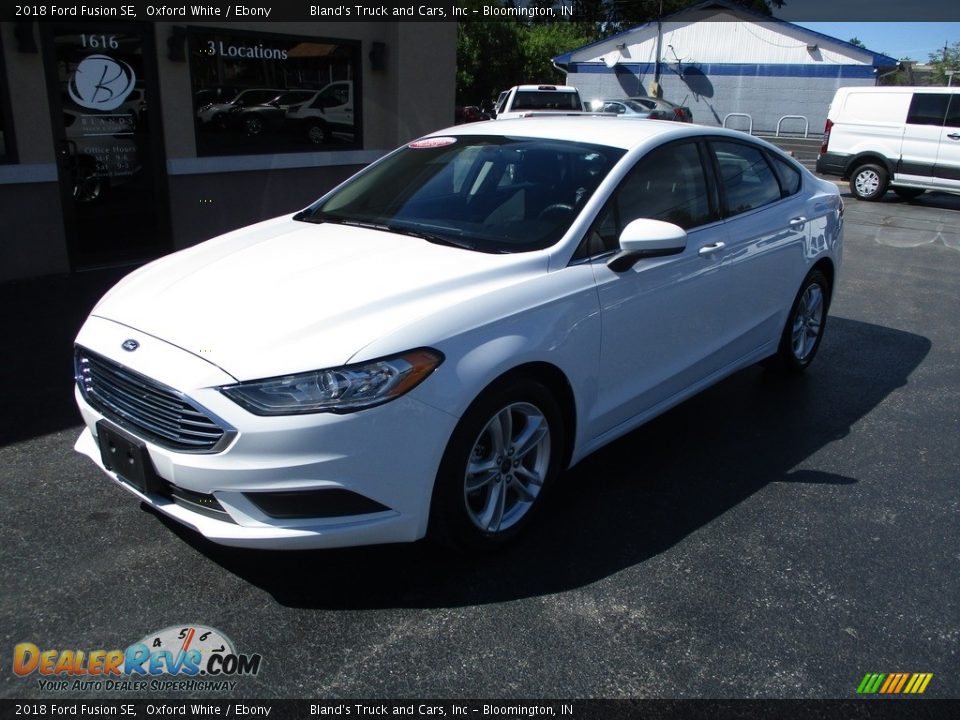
x=664 y=109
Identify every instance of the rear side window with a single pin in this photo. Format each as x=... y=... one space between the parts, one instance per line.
x=747 y=180
x=953 y=112
x=928 y=109
x=789 y=176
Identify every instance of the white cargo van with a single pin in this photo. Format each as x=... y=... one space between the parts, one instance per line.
x=903 y=138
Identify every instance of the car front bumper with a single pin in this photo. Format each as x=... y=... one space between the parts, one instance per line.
x=383 y=460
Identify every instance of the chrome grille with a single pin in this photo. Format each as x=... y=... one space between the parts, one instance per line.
x=146 y=407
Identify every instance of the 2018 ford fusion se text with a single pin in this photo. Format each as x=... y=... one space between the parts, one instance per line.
x=425 y=348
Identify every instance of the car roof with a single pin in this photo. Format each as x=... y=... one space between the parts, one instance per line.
x=610 y=130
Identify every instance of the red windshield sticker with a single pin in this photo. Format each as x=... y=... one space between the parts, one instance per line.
x=433 y=142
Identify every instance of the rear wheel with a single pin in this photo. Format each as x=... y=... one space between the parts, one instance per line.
x=504 y=453
x=804 y=328
x=869 y=182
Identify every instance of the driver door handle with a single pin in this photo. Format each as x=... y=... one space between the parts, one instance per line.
x=954 y=136
x=711 y=248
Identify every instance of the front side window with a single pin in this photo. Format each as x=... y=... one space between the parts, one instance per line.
x=953 y=112
x=928 y=109
x=746 y=179
x=491 y=194
x=266 y=93
x=667 y=184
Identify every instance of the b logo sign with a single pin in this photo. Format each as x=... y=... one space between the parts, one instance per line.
x=101 y=83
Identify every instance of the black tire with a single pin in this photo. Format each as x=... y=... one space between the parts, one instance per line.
x=869 y=182
x=797 y=348
x=909 y=193
x=457 y=513
x=253 y=125
x=318 y=133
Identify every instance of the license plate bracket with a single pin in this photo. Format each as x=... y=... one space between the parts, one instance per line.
x=127 y=456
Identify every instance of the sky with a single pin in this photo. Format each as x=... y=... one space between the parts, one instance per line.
x=915 y=40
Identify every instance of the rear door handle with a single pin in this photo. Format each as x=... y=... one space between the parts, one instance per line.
x=797 y=221
x=711 y=248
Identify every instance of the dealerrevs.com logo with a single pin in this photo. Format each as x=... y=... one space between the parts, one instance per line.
x=180 y=657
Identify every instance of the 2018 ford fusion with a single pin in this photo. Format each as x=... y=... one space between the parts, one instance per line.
x=426 y=347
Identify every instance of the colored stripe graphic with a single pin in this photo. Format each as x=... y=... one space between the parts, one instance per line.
x=894 y=683
x=870 y=683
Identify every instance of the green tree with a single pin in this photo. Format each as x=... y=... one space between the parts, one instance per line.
x=946 y=59
x=488 y=55
x=542 y=41
x=856 y=41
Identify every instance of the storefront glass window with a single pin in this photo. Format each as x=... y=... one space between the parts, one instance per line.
x=6 y=125
x=264 y=93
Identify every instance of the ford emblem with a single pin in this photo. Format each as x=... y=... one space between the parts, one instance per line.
x=130 y=345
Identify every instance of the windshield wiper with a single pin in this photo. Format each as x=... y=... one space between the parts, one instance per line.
x=430 y=237
x=320 y=218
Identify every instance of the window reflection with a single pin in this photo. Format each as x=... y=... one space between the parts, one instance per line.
x=264 y=93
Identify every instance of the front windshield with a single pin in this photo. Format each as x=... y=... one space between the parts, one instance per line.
x=491 y=194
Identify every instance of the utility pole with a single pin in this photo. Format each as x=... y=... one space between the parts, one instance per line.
x=656 y=67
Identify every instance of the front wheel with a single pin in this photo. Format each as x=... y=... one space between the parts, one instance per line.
x=804 y=329
x=319 y=133
x=506 y=450
x=253 y=125
x=869 y=182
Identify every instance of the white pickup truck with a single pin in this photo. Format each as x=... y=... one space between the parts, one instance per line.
x=522 y=99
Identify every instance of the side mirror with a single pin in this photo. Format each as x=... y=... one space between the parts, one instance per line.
x=646 y=238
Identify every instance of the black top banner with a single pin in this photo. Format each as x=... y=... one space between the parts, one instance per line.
x=451 y=11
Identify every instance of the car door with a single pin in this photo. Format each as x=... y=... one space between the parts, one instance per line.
x=660 y=318
x=921 y=137
x=768 y=224
x=947 y=172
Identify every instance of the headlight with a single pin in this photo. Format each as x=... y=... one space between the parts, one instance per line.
x=339 y=390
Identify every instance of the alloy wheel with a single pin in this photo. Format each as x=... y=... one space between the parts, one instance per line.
x=507 y=467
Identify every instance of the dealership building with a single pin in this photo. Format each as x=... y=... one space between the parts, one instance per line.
x=122 y=141
x=731 y=66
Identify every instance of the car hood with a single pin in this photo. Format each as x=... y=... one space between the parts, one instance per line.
x=285 y=296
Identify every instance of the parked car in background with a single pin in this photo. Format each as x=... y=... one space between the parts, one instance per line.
x=627 y=108
x=427 y=346
x=218 y=115
x=269 y=116
x=522 y=99
x=328 y=111
x=906 y=139
x=664 y=109
x=468 y=114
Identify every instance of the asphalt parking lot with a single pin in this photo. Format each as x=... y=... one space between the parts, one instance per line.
x=773 y=537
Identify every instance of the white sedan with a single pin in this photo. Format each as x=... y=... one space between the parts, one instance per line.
x=426 y=347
